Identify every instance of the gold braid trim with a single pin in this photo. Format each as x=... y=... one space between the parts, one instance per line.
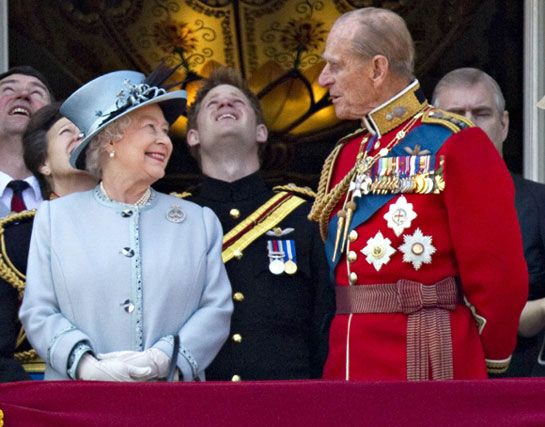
x=497 y=366
x=26 y=356
x=8 y=271
x=325 y=177
x=182 y=195
x=326 y=201
x=267 y=216
x=332 y=199
x=295 y=189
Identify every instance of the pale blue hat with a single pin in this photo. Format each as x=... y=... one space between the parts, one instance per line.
x=105 y=99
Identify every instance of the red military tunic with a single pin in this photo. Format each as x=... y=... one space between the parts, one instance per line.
x=467 y=230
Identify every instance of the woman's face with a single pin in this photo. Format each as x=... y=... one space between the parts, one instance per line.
x=145 y=147
x=62 y=138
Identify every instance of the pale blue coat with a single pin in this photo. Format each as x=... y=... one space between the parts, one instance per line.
x=122 y=277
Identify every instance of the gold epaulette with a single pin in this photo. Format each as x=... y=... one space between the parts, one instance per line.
x=453 y=121
x=182 y=195
x=8 y=271
x=295 y=189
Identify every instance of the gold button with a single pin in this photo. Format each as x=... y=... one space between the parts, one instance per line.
x=238 y=296
x=237 y=338
x=235 y=378
x=353 y=235
x=235 y=213
x=237 y=254
x=353 y=278
x=352 y=256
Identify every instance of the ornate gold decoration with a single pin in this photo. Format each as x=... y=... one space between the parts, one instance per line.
x=8 y=271
x=170 y=34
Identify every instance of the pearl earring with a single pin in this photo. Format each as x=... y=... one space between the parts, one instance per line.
x=112 y=154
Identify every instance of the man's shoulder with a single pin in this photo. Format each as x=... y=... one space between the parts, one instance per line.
x=526 y=188
x=184 y=195
x=355 y=134
x=452 y=121
x=15 y=232
x=528 y=183
x=293 y=189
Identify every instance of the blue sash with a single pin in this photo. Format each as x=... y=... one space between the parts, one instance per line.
x=429 y=137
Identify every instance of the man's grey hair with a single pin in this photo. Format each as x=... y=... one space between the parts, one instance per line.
x=382 y=32
x=468 y=77
x=95 y=152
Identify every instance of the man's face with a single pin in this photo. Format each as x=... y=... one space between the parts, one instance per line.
x=226 y=112
x=20 y=97
x=347 y=75
x=477 y=104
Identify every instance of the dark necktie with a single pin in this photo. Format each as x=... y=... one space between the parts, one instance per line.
x=17 y=202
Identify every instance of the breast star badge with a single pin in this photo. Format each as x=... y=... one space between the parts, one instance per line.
x=417 y=249
x=378 y=251
x=400 y=215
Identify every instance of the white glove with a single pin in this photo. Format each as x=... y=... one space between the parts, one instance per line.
x=152 y=358
x=92 y=369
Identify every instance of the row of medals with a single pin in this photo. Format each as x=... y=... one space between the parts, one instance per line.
x=420 y=184
x=277 y=265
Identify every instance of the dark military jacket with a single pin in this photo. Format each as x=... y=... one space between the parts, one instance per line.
x=15 y=242
x=530 y=204
x=279 y=325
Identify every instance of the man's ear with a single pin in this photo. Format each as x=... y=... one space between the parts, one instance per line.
x=192 y=137
x=381 y=67
x=262 y=133
x=504 y=120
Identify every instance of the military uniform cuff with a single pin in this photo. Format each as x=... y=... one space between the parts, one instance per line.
x=497 y=366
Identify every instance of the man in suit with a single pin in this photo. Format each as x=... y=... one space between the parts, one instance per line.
x=474 y=94
x=273 y=254
x=23 y=91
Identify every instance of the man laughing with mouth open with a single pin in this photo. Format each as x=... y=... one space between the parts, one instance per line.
x=23 y=91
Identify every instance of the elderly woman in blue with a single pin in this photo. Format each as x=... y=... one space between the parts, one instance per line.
x=125 y=283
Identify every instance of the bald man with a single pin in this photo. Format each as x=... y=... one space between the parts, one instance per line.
x=417 y=212
x=475 y=95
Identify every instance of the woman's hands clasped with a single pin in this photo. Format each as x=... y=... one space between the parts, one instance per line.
x=149 y=365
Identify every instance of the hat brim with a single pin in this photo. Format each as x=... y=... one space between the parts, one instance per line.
x=172 y=104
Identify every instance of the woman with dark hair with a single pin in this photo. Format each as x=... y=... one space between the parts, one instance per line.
x=47 y=143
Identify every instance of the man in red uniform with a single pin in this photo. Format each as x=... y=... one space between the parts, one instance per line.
x=418 y=216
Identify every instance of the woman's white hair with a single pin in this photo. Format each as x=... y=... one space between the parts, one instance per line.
x=96 y=152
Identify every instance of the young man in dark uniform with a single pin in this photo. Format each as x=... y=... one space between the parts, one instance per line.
x=273 y=254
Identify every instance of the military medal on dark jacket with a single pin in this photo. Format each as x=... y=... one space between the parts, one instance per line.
x=282 y=256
